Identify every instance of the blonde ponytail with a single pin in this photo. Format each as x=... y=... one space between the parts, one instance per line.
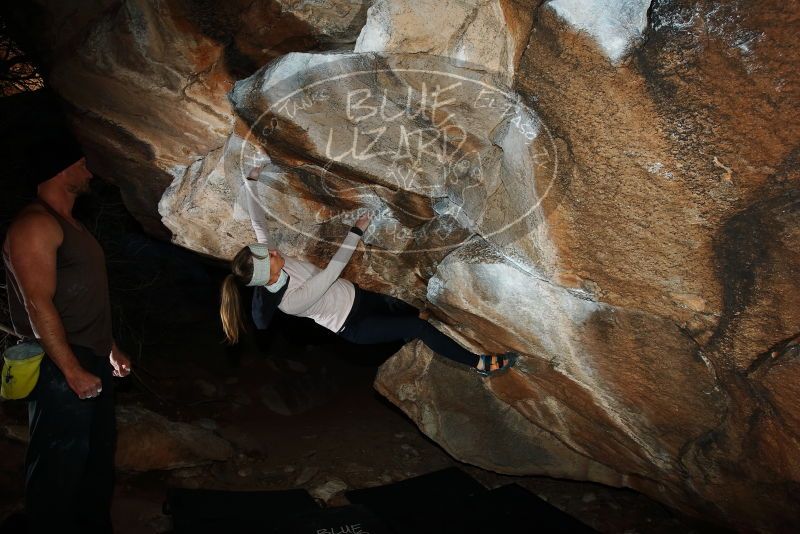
x=230 y=305
x=230 y=309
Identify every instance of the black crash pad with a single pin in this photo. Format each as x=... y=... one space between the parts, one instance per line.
x=443 y=502
x=512 y=509
x=450 y=501
x=352 y=519
x=199 y=511
x=433 y=503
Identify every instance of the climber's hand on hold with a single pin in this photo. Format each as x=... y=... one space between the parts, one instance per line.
x=255 y=172
x=363 y=222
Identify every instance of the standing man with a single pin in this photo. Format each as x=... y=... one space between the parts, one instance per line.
x=58 y=293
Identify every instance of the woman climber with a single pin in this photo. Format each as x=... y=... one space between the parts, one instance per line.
x=301 y=288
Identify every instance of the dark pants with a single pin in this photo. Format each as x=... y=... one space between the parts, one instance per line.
x=377 y=318
x=70 y=459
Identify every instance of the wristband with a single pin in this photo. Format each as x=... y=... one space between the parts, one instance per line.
x=357 y=230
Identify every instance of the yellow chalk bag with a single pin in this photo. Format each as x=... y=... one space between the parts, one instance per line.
x=20 y=369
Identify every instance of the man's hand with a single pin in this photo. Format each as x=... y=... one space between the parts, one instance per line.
x=363 y=221
x=83 y=383
x=119 y=361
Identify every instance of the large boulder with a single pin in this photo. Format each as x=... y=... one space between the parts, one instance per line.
x=492 y=34
x=146 y=83
x=608 y=188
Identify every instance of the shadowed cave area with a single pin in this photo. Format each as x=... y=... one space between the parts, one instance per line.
x=608 y=191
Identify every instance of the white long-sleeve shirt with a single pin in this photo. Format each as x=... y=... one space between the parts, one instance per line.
x=257 y=217
x=319 y=293
x=313 y=292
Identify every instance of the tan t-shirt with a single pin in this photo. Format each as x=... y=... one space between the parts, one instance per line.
x=81 y=297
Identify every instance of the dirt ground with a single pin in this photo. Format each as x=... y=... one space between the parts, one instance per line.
x=349 y=436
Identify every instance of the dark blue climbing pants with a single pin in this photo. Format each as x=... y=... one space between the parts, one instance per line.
x=377 y=318
x=70 y=459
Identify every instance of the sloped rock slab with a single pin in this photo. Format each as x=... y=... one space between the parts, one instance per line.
x=148 y=441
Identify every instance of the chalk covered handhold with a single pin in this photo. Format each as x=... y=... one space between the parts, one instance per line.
x=616 y=25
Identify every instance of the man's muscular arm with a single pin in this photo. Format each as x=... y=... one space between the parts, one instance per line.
x=32 y=242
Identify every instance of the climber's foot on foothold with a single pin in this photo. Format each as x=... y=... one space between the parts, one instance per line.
x=493 y=364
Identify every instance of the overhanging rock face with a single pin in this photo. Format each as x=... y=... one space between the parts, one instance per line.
x=613 y=194
x=411 y=137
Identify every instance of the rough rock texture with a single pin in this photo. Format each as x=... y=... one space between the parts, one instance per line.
x=616 y=25
x=148 y=441
x=147 y=82
x=611 y=192
x=489 y=33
